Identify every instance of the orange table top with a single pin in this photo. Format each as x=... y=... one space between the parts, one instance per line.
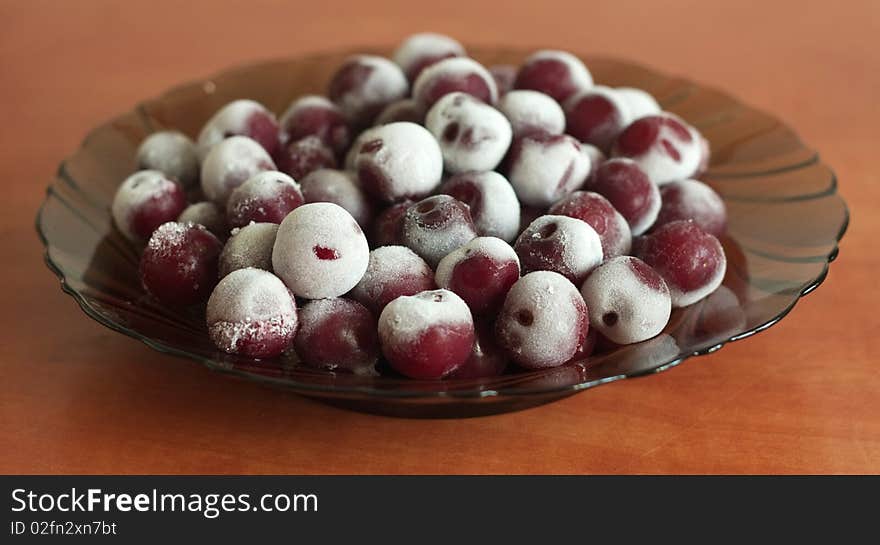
x=803 y=396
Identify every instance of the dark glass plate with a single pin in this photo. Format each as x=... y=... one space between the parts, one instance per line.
x=785 y=219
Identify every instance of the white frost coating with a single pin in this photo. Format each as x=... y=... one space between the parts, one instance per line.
x=552 y=335
x=343 y=320
x=492 y=247
x=611 y=95
x=639 y=224
x=600 y=214
x=168 y=237
x=544 y=172
x=529 y=110
x=433 y=242
x=597 y=157
x=389 y=265
x=170 y=152
x=249 y=246
x=425 y=45
x=302 y=153
x=406 y=319
x=498 y=214
x=205 y=213
x=264 y=185
x=646 y=220
x=314 y=313
x=230 y=119
x=622 y=243
x=298 y=121
x=339 y=187
x=656 y=161
x=623 y=307
x=581 y=245
x=472 y=135
x=250 y=295
x=351 y=155
x=229 y=164
x=303 y=102
x=320 y=229
x=705 y=155
x=580 y=76
x=455 y=67
x=409 y=159
x=249 y=302
x=640 y=102
x=402 y=110
x=686 y=298
x=134 y=192
x=385 y=83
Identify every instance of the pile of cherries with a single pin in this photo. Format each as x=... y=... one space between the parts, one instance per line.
x=449 y=216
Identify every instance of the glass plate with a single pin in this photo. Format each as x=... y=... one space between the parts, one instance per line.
x=785 y=221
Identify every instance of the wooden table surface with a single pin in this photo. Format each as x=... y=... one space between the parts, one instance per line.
x=804 y=396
